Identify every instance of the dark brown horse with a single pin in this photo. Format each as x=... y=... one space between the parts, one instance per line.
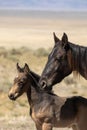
x=64 y=58
x=47 y=109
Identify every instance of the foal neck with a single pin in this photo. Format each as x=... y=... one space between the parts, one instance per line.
x=33 y=91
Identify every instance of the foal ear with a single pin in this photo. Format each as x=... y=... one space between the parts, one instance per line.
x=26 y=68
x=64 y=39
x=18 y=67
x=56 y=39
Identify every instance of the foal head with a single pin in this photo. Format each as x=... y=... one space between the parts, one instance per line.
x=20 y=82
x=57 y=66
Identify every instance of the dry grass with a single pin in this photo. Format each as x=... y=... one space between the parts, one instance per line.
x=33 y=33
x=15 y=115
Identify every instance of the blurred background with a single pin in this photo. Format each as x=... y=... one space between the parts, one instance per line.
x=26 y=36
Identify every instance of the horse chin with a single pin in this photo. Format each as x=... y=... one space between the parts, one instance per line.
x=54 y=82
x=58 y=81
x=48 y=88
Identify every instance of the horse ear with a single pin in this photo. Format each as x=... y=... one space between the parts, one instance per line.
x=56 y=39
x=64 y=39
x=65 y=43
x=18 y=67
x=26 y=68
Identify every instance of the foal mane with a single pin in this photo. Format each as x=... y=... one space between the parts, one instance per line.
x=35 y=84
x=37 y=87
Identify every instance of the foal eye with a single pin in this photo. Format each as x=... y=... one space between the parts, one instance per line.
x=20 y=84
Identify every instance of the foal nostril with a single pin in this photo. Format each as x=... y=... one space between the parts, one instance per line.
x=11 y=96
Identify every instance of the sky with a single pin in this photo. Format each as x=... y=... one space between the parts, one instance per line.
x=79 y=5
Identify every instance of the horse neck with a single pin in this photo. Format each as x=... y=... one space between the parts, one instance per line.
x=32 y=92
x=78 y=60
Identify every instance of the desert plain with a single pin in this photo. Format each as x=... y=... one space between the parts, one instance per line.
x=24 y=35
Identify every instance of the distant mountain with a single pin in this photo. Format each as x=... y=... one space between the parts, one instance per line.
x=79 y=5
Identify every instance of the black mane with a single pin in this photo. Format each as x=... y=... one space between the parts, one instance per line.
x=79 y=58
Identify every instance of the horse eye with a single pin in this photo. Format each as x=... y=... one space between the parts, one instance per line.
x=58 y=59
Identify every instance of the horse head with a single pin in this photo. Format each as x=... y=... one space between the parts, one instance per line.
x=57 y=66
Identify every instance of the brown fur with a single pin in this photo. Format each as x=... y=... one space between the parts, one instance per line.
x=73 y=64
x=47 y=109
x=65 y=58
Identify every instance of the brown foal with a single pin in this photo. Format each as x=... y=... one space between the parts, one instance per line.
x=47 y=109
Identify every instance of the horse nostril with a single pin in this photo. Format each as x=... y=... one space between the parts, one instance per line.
x=43 y=84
